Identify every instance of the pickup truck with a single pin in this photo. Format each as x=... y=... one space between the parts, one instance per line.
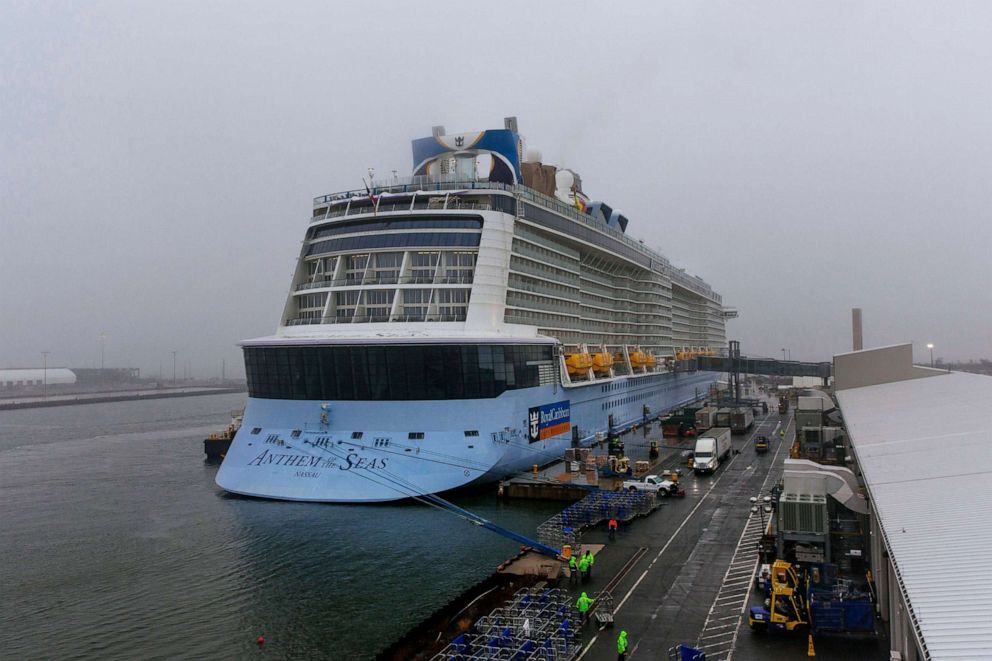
x=654 y=483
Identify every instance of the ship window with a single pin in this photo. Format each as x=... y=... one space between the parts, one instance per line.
x=355 y=435
x=256 y=431
x=420 y=222
x=472 y=432
x=408 y=240
x=296 y=433
x=415 y=435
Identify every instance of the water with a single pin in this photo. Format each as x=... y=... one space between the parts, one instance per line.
x=116 y=544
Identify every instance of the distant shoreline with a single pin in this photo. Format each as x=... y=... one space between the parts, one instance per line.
x=115 y=396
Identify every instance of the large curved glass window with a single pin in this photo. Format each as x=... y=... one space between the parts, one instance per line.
x=404 y=372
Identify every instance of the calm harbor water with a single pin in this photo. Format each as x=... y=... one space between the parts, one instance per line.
x=116 y=544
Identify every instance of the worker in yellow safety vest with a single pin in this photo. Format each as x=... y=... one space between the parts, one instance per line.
x=583 y=604
x=622 y=646
x=584 y=567
x=573 y=569
x=591 y=559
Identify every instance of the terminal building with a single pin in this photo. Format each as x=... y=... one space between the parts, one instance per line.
x=33 y=378
x=30 y=377
x=920 y=441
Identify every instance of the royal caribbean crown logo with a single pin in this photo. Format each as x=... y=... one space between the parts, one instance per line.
x=548 y=420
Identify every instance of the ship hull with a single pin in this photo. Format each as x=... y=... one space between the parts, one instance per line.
x=379 y=451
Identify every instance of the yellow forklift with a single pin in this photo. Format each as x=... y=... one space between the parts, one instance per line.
x=786 y=609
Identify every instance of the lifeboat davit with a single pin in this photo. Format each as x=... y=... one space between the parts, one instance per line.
x=602 y=362
x=578 y=364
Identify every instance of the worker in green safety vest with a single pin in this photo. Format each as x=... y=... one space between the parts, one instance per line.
x=622 y=646
x=573 y=569
x=781 y=433
x=583 y=604
x=584 y=567
x=591 y=560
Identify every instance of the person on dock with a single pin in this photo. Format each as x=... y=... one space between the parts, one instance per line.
x=622 y=646
x=573 y=569
x=781 y=434
x=612 y=526
x=591 y=560
x=583 y=604
x=584 y=568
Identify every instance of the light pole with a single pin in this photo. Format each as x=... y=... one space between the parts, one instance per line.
x=174 y=367
x=103 y=346
x=764 y=506
x=44 y=356
x=783 y=354
x=930 y=346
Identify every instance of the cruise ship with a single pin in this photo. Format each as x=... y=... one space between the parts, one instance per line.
x=461 y=325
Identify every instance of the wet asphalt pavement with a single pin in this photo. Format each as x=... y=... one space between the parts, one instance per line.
x=687 y=569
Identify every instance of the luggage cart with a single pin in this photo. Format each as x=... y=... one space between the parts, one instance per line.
x=604 y=610
x=686 y=653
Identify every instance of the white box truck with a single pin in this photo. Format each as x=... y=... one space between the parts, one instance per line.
x=711 y=448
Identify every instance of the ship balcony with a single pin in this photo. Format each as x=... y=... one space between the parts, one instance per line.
x=375 y=318
x=466 y=279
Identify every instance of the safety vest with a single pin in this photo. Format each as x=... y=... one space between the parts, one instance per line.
x=583 y=603
x=622 y=642
x=572 y=563
x=613 y=524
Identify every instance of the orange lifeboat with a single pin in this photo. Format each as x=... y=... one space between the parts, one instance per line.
x=602 y=362
x=652 y=362
x=638 y=359
x=578 y=364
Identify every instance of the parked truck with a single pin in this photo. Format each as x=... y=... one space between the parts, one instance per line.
x=722 y=418
x=711 y=448
x=656 y=483
x=705 y=418
x=783 y=404
x=741 y=420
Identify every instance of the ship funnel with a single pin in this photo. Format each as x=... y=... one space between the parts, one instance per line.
x=857 y=339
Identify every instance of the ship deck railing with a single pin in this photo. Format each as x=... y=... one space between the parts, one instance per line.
x=452 y=204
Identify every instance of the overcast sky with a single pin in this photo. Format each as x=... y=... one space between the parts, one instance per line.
x=158 y=160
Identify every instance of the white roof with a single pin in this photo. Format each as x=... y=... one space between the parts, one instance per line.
x=924 y=446
x=53 y=375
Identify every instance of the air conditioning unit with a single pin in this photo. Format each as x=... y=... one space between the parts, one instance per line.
x=802 y=513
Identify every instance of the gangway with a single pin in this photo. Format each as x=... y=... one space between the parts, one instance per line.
x=765 y=366
x=471 y=517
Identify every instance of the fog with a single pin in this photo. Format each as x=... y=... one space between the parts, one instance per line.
x=158 y=160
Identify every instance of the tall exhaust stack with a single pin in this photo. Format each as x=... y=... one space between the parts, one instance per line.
x=856 y=328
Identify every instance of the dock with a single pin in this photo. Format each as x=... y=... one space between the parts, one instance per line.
x=680 y=576
x=112 y=396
